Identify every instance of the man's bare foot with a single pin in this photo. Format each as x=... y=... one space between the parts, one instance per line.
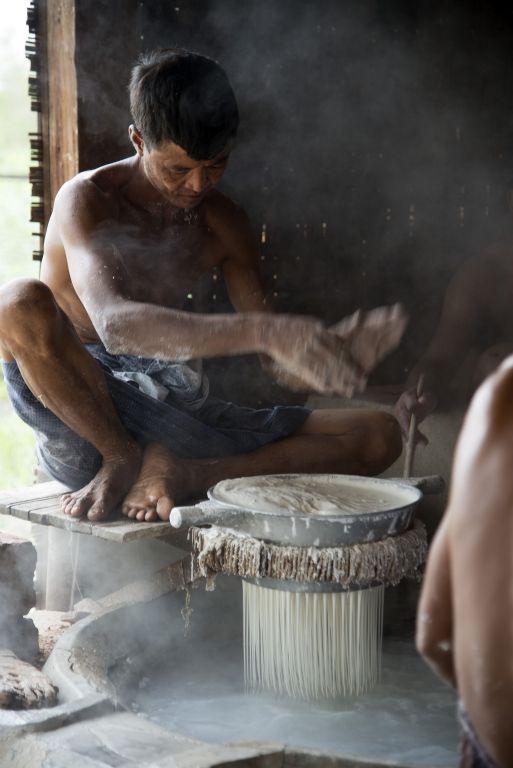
x=163 y=481
x=99 y=497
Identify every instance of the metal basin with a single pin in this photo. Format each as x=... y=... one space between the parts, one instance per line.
x=389 y=509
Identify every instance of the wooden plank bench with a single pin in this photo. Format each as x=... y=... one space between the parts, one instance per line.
x=40 y=504
x=64 y=560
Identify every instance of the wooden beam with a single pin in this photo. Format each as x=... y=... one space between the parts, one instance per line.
x=61 y=125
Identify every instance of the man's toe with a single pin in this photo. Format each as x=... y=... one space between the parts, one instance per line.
x=151 y=516
x=97 y=512
x=77 y=508
x=68 y=504
x=164 y=507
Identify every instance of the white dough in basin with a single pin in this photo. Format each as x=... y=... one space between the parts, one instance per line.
x=328 y=495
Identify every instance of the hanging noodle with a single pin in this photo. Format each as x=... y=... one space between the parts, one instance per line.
x=312 y=645
x=309 y=643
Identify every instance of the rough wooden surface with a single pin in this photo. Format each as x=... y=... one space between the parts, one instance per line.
x=22 y=686
x=62 y=93
x=40 y=504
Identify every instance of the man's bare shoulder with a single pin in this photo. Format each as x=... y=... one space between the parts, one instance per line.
x=230 y=223
x=223 y=212
x=96 y=192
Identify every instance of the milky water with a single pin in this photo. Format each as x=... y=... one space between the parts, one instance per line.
x=315 y=494
x=408 y=719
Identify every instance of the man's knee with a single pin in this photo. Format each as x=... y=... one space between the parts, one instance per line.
x=489 y=361
x=385 y=442
x=28 y=312
x=25 y=296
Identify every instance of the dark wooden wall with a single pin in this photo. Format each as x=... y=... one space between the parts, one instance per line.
x=375 y=144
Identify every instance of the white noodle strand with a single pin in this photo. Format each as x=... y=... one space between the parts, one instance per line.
x=312 y=645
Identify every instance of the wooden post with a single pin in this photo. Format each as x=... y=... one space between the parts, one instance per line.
x=59 y=102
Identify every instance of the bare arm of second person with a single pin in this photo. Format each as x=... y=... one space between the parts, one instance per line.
x=126 y=325
x=451 y=341
x=465 y=625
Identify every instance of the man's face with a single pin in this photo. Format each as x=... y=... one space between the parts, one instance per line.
x=182 y=181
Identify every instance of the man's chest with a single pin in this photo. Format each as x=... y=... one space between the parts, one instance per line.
x=163 y=264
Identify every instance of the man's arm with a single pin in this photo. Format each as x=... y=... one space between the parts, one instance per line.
x=474 y=577
x=481 y=522
x=127 y=326
x=434 y=636
x=451 y=342
x=241 y=272
x=366 y=337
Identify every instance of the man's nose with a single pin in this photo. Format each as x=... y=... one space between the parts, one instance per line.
x=196 y=180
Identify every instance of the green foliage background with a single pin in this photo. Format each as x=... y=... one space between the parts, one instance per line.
x=17 y=457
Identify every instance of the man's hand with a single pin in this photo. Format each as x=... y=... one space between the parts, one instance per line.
x=307 y=351
x=411 y=404
x=281 y=377
x=370 y=336
x=306 y=355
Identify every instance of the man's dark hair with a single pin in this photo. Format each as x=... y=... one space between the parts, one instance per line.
x=183 y=97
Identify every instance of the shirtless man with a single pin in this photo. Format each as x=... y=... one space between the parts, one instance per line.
x=124 y=244
x=474 y=333
x=465 y=617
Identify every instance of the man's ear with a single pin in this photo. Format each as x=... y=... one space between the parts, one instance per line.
x=136 y=139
